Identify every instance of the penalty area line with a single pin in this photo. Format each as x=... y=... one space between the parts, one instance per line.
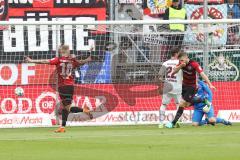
x=81 y=136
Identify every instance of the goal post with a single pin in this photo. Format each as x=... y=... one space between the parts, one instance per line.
x=119 y=85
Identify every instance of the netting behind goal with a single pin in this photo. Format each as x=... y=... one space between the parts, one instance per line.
x=120 y=85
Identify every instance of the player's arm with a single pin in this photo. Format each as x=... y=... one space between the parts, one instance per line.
x=83 y=61
x=160 y=78
x=178 y=68
x=39 y=61
x=208 y=92
x=161 y=73
x=202 y=74
x=205 y=77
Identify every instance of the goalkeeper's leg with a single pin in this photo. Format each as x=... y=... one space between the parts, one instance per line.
x=197 y=118
x=213 y=120
x=223 y=121
x=210 y=119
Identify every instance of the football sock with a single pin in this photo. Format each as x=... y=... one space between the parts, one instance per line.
x=64 y=117
x=162 y=113
x=178 y=115
x=76 y=109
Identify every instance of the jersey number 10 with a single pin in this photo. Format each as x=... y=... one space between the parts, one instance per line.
x=66 y=70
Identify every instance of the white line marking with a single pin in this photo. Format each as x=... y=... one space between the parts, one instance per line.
x=81 y=135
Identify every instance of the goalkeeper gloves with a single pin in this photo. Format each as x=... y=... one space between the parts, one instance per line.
x=207 y=107
x=208 y=103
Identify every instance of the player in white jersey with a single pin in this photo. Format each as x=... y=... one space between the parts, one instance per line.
x=172 y=84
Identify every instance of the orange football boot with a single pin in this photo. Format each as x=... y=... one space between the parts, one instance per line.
x=60 y=130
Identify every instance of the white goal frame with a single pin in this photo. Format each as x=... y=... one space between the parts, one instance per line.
x=115 y=39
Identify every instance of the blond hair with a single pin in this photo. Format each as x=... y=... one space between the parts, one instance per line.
x=65 y=49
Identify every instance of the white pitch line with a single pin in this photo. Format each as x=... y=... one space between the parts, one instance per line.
x=160 y=133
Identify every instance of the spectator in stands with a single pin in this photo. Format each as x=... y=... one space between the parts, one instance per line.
x=233 y=7
x=129 y=12
x=175 y=11
x=233 y=33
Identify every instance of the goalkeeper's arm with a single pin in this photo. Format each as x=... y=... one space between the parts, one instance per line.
x=208 y=93
x=203 y=99
x=203 y=75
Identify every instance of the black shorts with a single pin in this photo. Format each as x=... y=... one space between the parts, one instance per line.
x=188 y=92
x=66 y=94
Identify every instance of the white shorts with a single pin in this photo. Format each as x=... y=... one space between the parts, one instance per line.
x=166 y=98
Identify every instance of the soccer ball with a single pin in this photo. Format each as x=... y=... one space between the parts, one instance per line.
x=19 y=91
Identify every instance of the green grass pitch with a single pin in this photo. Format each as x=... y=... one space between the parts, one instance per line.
x=122 y=143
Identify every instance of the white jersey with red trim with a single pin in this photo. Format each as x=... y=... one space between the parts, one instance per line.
x=175 y=80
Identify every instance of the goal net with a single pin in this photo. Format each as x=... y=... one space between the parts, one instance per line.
x=120 y=85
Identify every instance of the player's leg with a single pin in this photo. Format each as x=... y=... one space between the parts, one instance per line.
x=166 y=98
x=66 y=96
x=223 y=121
x=210 y=117
x=183 y=104
x=179 y=113
x=75 y=109
x=85 y=109
x=204 y=121
x=188 y=93
x=177 y=99
x=197 y=118
x=212 y=120
x=216 y=120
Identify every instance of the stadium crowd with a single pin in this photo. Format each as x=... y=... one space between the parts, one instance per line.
x=176 y=9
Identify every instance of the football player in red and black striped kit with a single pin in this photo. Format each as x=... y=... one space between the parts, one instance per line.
x=190 y=69
x=65 y=64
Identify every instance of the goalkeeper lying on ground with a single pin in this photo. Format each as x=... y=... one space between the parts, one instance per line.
x=203 y=105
